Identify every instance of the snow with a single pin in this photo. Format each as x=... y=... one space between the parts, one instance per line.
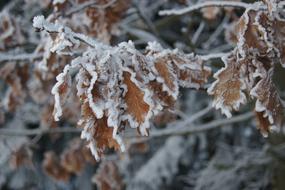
x=208 y=4
x=38 y=22
x=58 y=2
x=60 y=80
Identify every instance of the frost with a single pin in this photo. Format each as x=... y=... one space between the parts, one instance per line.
x=54 y=2
x=38 y=22
x=60 y=89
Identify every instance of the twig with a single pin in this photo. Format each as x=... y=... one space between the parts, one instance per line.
x=20 y=57
x=194 y=129
x=150 y=25
x=40 y=23
x=31 y=132
x=89 y=4
x=216 y=33
x=194 y=117
x=198 y=32
x=213 y=56
x=208 y=4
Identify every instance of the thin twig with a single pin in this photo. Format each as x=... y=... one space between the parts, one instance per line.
x=193 y=118
x=213 y=37
x=214 y=56
x=207 y=4
x=20 y=57
x=31 y=132
x=41 y=23
x=150 y=25
x=193 y=129
x=198 y=32
x=89 y=4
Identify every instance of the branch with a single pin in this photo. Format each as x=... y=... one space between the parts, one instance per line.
x=194 y=117
x=208 y=4
x=39 y=22
x=214 y=56
x=31 y=132
x=185 y=130
x=19 y=57
x=89 y=4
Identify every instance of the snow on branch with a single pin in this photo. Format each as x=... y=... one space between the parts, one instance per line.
x=39 y=22
x=210 y=4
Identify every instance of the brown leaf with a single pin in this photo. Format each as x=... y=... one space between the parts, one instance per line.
x=75 y=157
x=268 y=101
x=167 y=76
x=137 y=108
x=228 y=88
x=22 y=156
x=52 y=167
x=108 y=177
x=262 y=123
x=103 y=135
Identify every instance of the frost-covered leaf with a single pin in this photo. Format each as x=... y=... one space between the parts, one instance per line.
x=137 y=109
x=228 y=88
x=268 y=101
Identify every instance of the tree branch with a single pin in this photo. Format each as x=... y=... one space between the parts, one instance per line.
x=89 y=4
x=20 y=57
x=208 y=4
x=191 y=130
x=38 y=131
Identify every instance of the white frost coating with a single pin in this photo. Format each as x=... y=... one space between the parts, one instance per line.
x=38 y=21
x=97 y=110
x=58 y=2
x=209 y=3
x=241 y=39
x=120 y=142
x=93 y=149
x=80 y=78
x=154 y=47
x=86 y=134
x=60 y=43
x=60 y=80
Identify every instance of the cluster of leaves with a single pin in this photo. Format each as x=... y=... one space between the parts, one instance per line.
x=259 y=37
x=119 y=86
